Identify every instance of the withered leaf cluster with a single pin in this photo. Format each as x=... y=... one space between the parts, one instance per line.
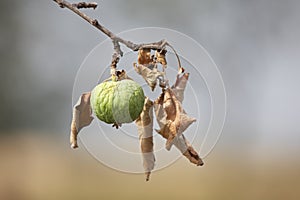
x=147 y=66
x=170 y=115
x=167 y=109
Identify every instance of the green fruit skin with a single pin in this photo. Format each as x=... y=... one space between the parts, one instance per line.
x=117 y=101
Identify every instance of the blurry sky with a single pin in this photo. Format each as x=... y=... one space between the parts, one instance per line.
x=255 y=44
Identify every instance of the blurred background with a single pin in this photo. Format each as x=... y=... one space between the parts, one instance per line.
x=256 y=45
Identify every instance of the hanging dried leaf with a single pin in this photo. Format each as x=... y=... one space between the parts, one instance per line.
x=179 y=141
x=82 y=116
x=150 y=74
x=175 y=119
x=178 y=90
x=187 y=150
x=171 y=106
x=160 y=113
x=180 y=85
x=145 y=129
x=144 y=56
x=161 y=57
x=161 y=104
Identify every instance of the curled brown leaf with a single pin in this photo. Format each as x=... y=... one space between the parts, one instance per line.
x=160 y=56
x=144 y=125
x=177 y=121
x=180 y=142
x=171 y=117
x=180 y=85
x=82 y=116
x=164 y=106
x=150 y=74
x=187 y=150
x=144 y=56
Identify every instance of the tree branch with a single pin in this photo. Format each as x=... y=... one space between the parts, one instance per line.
x=115 y=39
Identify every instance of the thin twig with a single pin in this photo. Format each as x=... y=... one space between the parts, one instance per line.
x=180 y=68
x=85 y=5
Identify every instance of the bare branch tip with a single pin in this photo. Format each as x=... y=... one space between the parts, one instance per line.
x=85 y=5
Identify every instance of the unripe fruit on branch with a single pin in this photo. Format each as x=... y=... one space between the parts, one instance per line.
x=117 y=102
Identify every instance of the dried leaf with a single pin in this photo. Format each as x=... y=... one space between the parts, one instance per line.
x=82 y=116
x=160 y=113
x=162 y=103
x=178 y=90
x=172 y=119
x=177 y=119
x=161 y=57
x=187 y=150
x=173 y=110
x=150 y=73
x=180 y=85
x=179 y=141
x=145 y=129
x=144 y=56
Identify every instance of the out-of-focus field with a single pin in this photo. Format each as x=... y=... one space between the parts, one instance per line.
x=36 y=167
